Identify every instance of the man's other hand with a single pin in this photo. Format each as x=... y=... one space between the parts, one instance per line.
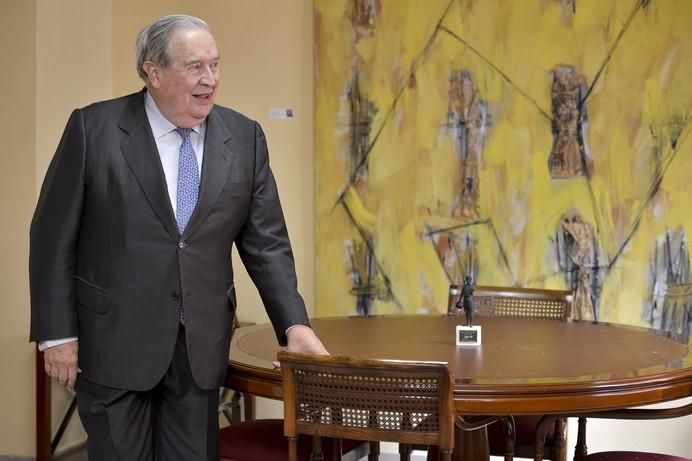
x=60 y=362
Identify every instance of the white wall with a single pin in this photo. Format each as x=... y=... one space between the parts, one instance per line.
x=17 y=78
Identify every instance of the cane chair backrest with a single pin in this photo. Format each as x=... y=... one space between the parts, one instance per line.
x=373 y=400
x=519 y=302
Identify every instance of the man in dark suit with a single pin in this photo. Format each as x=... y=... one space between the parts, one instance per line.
x=130 y=263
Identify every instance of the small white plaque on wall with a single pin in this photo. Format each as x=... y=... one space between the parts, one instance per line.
x=281 y=113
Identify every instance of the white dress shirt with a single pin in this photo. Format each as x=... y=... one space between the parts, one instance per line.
x=168 y=143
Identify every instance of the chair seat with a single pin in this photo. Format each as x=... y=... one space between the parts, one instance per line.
x=525 y=433
x=631 y=456
x=263 y=440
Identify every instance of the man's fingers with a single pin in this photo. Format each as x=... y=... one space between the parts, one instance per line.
x=63 y=374
x=71 y=377
x=66 y=375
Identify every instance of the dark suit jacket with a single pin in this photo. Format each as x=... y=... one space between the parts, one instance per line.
x=107 y=263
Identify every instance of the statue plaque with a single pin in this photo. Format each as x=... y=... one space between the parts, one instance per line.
x=467 y=335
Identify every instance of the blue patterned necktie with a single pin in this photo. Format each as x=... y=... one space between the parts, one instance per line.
x=188 y=180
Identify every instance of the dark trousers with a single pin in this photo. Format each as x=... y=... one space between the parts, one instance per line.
x=174 y=421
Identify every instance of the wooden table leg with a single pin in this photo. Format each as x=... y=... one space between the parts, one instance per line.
x=43 y=419
x=249 y=406
x=471 y=445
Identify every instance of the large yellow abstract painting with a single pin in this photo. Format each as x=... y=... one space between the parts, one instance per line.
x=530 y=143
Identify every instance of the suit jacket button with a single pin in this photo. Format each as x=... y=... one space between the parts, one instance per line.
x=175 y=295
x=182 y=244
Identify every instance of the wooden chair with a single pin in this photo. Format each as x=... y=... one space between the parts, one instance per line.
x=263 y=440
x=247 y=439
x=532 y=303
x=514 y=436
x=371 y=400
x=580 y=452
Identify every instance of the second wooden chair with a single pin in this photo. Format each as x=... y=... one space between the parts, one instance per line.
x=514 y=436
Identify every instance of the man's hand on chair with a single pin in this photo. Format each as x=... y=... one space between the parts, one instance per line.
x=302 y=338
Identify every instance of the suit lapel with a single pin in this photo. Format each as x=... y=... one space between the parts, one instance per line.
x=215 y=169
x=139 y=149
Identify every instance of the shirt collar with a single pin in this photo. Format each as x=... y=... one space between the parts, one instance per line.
x=160 y=125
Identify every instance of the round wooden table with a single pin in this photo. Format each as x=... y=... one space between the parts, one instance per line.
x=524 y=366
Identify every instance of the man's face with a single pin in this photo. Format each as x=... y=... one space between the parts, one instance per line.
x=185 y=90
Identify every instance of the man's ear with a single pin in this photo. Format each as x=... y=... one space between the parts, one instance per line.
x=153 y=73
